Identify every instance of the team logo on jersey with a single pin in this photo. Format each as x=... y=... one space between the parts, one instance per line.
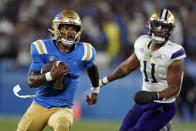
x=160 y=109
x=74 y=63
x=159 y=56
x=141 y=50
x=51 y=58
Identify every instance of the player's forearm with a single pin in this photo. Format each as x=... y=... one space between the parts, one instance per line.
x=117 y=74
x=125 y=68
x=169 y=92
x=122 y=70
x=35 y=79
x=93 y=74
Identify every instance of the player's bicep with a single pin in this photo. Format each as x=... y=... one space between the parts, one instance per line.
x=130 y=64
x=175 y=75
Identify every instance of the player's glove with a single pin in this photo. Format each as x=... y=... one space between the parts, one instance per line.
x=145 y=97
x=103 y=81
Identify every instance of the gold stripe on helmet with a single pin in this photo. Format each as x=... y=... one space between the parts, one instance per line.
x=168 y=20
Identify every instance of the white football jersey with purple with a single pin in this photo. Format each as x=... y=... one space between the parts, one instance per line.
x=154 y=64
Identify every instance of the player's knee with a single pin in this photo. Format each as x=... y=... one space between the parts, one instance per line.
x=62 y=125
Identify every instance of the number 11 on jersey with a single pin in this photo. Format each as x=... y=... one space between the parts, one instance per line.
x=152 y=73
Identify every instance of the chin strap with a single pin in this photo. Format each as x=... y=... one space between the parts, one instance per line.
x=50 y=30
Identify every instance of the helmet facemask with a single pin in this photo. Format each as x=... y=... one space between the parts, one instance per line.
x=71 y=38
x=159 y=31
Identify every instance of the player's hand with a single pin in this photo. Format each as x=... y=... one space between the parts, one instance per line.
x=145 y=97
x=92 y=99
x=59 y=70
x=103 y=81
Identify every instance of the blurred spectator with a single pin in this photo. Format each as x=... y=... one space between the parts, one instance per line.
x=187 y=98
x=7 y=49
x=112 y=33
x=178 y=34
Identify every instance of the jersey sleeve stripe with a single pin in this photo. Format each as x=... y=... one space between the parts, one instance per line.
x=178 y=53
x=40 y=47
x=87 y=52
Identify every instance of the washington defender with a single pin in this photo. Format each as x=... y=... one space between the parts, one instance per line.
x=161 y=64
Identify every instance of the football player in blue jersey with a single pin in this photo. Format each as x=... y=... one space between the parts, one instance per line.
x=55 y=89
x=161 y=64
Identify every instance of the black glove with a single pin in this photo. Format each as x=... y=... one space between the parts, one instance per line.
x=145 y=97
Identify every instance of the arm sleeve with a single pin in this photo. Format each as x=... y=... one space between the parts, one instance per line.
x=37 y=59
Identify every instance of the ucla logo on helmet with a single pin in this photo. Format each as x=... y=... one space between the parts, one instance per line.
x=72 y=21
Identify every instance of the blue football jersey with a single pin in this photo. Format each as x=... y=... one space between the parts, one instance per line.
x=60 y=93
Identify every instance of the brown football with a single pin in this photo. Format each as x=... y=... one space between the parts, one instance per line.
x=47 y=67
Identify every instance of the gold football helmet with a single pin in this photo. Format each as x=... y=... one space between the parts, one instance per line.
x=161 y=24
x=69 y=17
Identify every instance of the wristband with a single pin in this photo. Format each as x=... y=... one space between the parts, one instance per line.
x=95 y=89
x=48 y=76
x=105 y=80
x=58 y=62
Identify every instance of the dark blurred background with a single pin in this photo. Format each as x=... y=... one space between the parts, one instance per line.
x=111 y=26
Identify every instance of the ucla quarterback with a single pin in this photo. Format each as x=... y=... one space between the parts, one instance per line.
x=55 y=89
x=161 y=64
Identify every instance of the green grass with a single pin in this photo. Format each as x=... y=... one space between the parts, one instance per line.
x=8 y=124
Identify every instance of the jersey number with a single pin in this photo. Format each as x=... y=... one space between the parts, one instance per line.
x=58 y=84
x=152 y=73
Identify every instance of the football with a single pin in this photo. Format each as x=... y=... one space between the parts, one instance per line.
x=47 y=67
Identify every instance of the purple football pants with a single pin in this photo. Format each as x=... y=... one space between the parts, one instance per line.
x=149 y=117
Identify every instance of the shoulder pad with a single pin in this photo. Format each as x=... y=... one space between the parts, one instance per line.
x=141 y=41
x=88 y=53
x=40 y=46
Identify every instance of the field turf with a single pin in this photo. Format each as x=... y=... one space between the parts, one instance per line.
x=8 y=124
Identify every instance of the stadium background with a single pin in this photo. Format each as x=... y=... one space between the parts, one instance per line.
x=111 y=26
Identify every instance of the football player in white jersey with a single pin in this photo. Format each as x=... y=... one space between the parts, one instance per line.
x=161 y=64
